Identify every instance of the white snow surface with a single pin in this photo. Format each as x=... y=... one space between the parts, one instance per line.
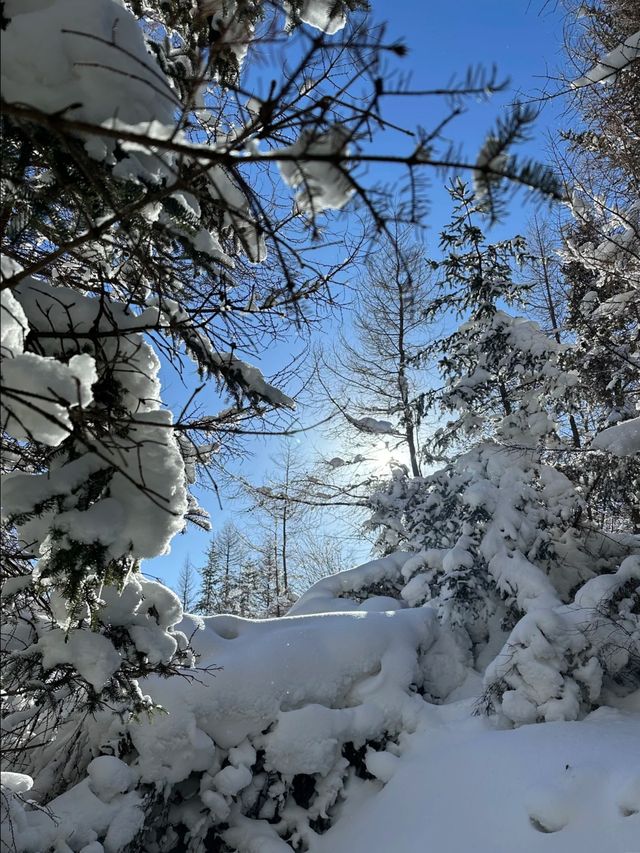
x=44 y=392
x=19 y=783
x=338 y=676
x=92 y=655
x=250 y=377
x=297 y=689
x=535 y=663
x=83 y=48
x=464 y=786
x=622 y=439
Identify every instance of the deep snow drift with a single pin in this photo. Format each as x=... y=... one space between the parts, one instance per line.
x=319 y=732
x=460 y=785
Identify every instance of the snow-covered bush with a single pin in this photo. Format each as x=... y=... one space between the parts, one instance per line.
x=259 y=754
x=559 y=663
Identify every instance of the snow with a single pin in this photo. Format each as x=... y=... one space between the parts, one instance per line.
x=58 y=54
x=18 y=783
x=362 y=698
x=92 y=654
x=553 y=661
x=340 y=678
x=38 y=391
x=13 y=322
x=321 y=14
x=320 y=184
x=147 y=482
x=89 y=62
x=83 y=48
x=250 y=378
x=621 y=439
x=148 y=478
x=289 y=694
x=607 y=69
x=461 y=785
x=322 y=660
x=336 y=592
x=108 y=777
x=374 y=425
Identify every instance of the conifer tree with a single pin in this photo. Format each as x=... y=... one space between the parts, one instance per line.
x=208 y=597
x=376 y=366
x=186 y=586
x=502 y=537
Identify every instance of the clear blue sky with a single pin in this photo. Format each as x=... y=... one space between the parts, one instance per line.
x=523 y=39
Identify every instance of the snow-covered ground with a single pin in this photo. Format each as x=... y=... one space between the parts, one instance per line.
x=462 y=786
x=294 y=696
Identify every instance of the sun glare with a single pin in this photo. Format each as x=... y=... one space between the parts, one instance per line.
x=380 y=457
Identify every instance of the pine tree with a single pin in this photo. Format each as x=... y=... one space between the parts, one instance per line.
x=220 y=576
x=208 y=598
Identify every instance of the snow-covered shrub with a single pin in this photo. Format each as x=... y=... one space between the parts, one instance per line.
x=302 y=713
x=497 y=535
x=559 y=663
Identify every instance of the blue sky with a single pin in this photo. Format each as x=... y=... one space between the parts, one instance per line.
x=523 y=39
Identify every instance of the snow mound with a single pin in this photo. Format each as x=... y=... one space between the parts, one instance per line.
x=461 y=785
x=345 y=684
x=340 y=591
